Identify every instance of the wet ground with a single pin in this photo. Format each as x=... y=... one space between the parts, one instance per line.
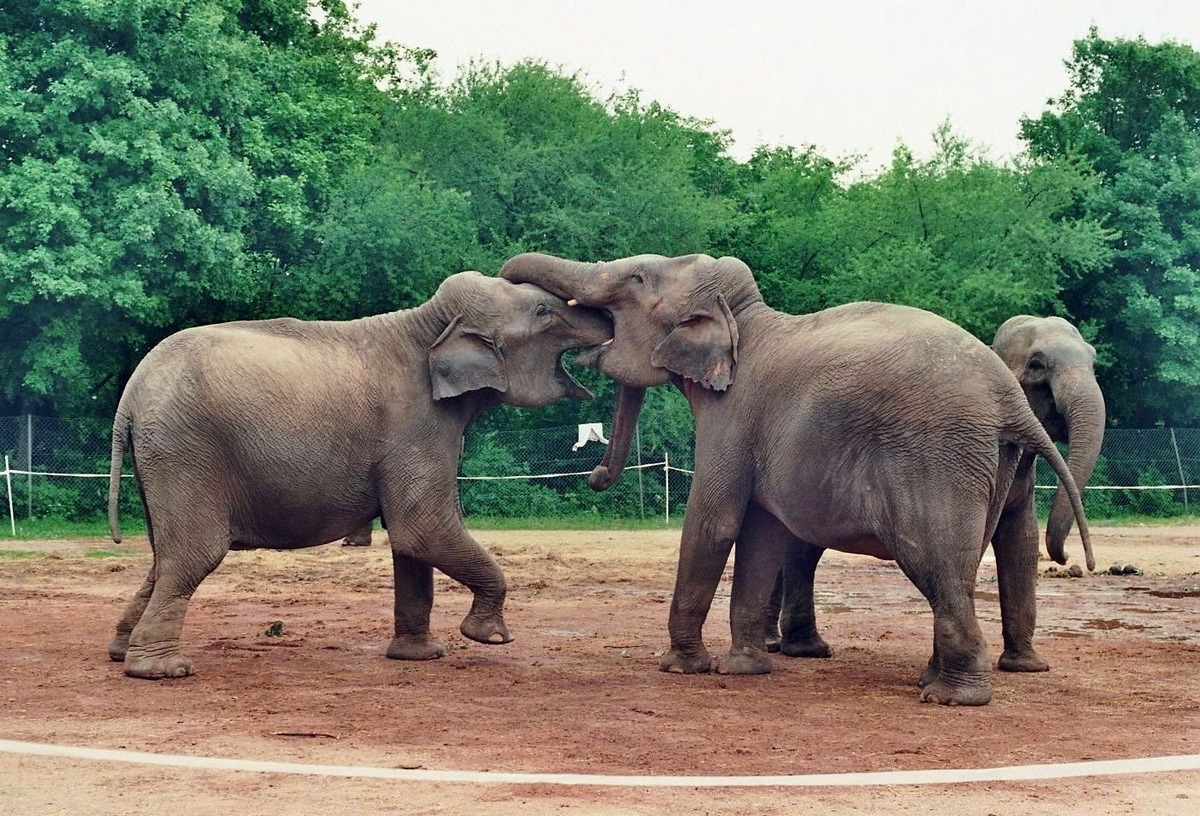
x=288 y=649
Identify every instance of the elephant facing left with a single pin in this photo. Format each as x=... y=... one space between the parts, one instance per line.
x=284 y=434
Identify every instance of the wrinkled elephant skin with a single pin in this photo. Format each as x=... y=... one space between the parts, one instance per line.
x=866 y=428
x=286 y=434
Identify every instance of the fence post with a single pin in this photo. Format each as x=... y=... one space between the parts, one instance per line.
x=1179 y=464
x=28 y=466
x=12 y=519
x=637 y=433
x=667 y=484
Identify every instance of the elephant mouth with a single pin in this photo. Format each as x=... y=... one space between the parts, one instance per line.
x=590 y=358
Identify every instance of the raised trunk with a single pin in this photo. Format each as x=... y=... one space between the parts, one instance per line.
x=1081 y=403
x=625 y=419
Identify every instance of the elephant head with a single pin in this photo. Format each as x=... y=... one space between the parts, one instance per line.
x=509 y=338
x=1055 y=367
x=671 y=317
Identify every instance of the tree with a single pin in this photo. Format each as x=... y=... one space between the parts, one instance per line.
x=1132 y=111
x=163 y=164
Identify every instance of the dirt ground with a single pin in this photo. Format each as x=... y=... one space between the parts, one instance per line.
x=578 y=691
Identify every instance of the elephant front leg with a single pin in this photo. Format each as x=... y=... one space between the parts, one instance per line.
x=1015 y=544
x=756 y=568
x=704 y=550
x=798 y=613
x=414 y=602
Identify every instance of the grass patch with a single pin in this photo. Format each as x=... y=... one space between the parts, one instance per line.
x=570 y=523
x=19 y=554
x=106 y=554
x=43 y=528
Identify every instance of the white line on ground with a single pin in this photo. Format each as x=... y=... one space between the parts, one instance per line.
x=1019 y=773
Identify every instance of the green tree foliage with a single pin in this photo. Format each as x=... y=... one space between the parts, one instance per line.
x=959 y=235
x=163 y=165
x=1132 y=111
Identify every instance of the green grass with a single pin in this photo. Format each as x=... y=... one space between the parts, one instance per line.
x=43 y=528
x=40 y=529
x=19 y=554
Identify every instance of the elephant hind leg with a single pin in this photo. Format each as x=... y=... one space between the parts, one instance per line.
x=959 y=672
x=153 y=649
x=414 y=601
x=118 y=646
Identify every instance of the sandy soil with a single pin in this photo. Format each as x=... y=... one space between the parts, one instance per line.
x=579 y=690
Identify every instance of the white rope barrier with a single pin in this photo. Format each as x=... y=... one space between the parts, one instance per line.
x=937 y=776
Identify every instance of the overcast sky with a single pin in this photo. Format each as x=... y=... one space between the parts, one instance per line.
x=850 y=76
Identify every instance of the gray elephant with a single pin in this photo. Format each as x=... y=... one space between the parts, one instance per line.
x=866 y=428
x=1056 y=369
x=285 y=434
x=360 y=537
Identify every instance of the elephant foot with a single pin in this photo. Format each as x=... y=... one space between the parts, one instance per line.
x=677 y=662
x=1023 y=661
x=774 y=640
x=157 y=667
x=814 y=647
x=745 y=661
x=485 y=629
x=943 y=693
x=118 y=646
x=929 y=675
x=412 y=648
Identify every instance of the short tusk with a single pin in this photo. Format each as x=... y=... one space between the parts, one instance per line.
x=572 y=302
x=608 y=341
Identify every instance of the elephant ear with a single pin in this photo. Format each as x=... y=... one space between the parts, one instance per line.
x=702 y=347
x=462 y=360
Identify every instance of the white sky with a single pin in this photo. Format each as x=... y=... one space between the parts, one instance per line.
x=850 y=76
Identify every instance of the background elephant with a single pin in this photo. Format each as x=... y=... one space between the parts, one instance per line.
x=287 y=434
x=360 y=537
x=867 y=428
x=1056 y=369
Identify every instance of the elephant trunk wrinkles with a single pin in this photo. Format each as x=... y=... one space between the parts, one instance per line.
x=1079 y=399
x=562 y=277
x=625 y=419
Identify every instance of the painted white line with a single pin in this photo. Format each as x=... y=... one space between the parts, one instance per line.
x=1015 y=773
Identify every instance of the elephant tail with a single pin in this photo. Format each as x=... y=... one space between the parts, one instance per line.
x=120 y=438
x=1032 y=434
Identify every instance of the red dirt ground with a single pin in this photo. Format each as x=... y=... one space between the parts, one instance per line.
x=579 y=690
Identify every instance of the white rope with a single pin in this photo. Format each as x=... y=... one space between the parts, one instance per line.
x=939 y=776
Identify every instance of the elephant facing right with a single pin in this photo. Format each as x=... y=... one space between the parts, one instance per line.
x=1056 y=369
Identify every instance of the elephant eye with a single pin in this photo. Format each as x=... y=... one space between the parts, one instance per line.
x=636 y=277
x=542 y=310
x=1037 y=364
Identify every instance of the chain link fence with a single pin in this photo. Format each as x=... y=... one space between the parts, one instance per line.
x=58 y=468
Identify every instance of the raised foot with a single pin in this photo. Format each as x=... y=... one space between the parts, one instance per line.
x=117 y=647
x=677 y=662
x=416 y=649
x=1029 y=661
x=745 y=661
x=806 y=648
x=157 y=668
x=944 y=694
x=490 y=630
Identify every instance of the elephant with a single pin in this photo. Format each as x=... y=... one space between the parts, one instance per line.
x=1055 y=367
x=867 y=428
x=284 y=434
x=360 y=537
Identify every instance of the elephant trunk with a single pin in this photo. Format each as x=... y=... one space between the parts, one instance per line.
x=1079 y=400
x=567 y=279
x=625 y=419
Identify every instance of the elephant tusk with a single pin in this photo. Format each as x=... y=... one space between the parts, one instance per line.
x=572 y=302
x=608 y=342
